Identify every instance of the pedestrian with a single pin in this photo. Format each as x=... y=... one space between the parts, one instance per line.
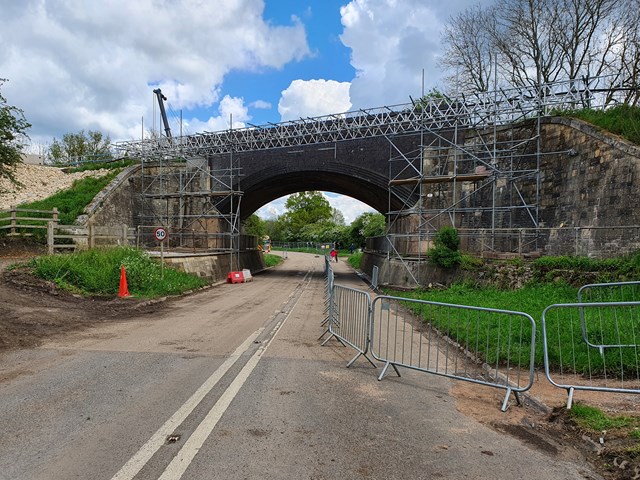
x=334 y=254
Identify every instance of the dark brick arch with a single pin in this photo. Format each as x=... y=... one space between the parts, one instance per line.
x=356 y=168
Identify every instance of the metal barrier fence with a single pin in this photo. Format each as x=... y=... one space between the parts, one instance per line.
x=592 y=346
x=482 y=345
x=609 y=292
x=329 y=307
x=350 y=323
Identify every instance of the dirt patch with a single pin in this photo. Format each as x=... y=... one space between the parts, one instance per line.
x=542 y=422
x=32 y=309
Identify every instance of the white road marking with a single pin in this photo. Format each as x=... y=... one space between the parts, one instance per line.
x=187 y=453
x=140 y=459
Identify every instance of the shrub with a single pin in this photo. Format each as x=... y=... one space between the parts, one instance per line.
x=445 y=252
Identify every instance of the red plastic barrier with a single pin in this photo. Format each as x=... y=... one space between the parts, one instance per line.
x=235 y=277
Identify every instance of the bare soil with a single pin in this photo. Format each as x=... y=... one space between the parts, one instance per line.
x=33 y=310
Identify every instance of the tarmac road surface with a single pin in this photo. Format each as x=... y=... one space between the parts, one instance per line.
x=232 y=383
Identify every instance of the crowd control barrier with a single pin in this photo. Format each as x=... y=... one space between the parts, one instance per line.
x=454 y=341
x=350 y=322
x=609 y=292
x=593 y=346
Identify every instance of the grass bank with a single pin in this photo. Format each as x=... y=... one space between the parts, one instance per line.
x=97 y=272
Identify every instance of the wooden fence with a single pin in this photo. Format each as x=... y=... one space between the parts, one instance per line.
x=22 y=221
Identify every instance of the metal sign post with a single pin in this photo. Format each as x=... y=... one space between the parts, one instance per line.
x=161 y=235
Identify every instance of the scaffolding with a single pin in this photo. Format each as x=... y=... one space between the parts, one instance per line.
x=479 y=170
x=477 y=166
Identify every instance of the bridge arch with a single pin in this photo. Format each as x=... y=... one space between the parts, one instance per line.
x=356 y=168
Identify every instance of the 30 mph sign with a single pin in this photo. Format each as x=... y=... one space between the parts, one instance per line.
x=160 y=233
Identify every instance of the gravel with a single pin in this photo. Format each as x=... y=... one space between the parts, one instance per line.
x=38 y=182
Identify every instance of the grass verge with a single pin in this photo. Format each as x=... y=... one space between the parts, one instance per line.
x=97 y=272
x=271 y=260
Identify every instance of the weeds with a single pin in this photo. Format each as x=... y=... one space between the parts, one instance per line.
x=97 y=272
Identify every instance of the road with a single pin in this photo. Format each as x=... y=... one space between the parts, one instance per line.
x=232 y=383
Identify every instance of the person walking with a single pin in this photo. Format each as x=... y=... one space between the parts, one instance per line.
x=334 y=254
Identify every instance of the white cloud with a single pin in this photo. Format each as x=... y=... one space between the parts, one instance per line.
x=312 y=98
x=273 y=209
x=231 y=109
x=77 y=65
x=391 y=42
x=260 y=104
x=350 y=207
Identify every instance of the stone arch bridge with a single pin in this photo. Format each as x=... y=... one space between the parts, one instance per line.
x=488 y=162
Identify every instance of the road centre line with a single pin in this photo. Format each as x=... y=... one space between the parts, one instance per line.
x=192 y=446
x=158 y=439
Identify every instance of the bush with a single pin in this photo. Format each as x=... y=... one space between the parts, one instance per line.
x=445 y=252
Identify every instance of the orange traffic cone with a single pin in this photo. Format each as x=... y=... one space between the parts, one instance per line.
x=124 y=289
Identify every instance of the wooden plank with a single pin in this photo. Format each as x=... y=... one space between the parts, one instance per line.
x=472 y=177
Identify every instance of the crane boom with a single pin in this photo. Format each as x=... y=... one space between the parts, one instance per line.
x=163 y=113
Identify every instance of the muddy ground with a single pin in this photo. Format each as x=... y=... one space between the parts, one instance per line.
x=32 y=310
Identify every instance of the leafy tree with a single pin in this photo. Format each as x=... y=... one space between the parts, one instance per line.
x=368 y=224
x=337 y=216
x=254 y=225
x=303 y=208
x=13 y=127
x=79 y=145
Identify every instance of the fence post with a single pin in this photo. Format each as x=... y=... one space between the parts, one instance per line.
x=50 y=237
x=92 y=238
x=520 y=235
x=13 y=220
x=55 y=214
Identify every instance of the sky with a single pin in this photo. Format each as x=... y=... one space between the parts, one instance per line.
x=76 y=65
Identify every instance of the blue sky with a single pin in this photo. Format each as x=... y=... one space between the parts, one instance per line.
x=76 y=65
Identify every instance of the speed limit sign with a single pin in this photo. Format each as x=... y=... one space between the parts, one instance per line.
x=160 y=233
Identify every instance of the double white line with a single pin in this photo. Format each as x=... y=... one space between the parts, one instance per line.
x=187 y=453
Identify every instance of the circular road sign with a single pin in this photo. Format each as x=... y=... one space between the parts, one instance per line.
x=160 y=233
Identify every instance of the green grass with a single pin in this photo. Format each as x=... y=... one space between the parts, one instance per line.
x=623 y=120
x=355 y=260
x=594 y=419
x=272 y=260
x=493 y=337
x=615 y=269
x=97 y=272
x=114 y=165
x=70 y=203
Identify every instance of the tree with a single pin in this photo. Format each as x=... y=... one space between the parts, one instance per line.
x=79 y=146
x=468 y=40
x=532 y=42
x=254 y=225
x=303 y=208
x=367 y=225
x=13 y=127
